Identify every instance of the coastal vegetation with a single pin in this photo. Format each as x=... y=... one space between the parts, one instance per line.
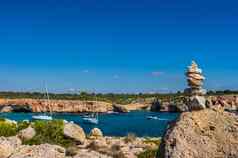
x=8 y=129
x=50 y=132
x=123 y=98
x=50 y=137
x=150 y=153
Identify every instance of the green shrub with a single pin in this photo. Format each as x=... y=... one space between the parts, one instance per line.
x=2 y=119
x=148 y=154
x=22 y=125
x=49 y=132
x=7 y=129
x=154 y=141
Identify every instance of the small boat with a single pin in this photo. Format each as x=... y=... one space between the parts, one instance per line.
x=112 y=112
x=152 y=118
x=93 y=119
x=42 y=117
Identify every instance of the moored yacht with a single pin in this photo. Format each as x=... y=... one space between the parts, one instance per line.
x=44 y=116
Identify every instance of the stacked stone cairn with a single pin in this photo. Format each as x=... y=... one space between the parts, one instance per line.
x=196 y=100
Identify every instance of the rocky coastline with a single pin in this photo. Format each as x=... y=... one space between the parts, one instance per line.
x=67 y=140
x=207 y=130
x=207 y=133
x=65 y=106
x=229 y=102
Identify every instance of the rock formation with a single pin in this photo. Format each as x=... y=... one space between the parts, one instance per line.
x=95 y=133
x=195 y=91
x=39 y=151
x=206 y=133
x=27 y=134
x=120 y=108
x=8 y=146
x=40 y=105
x=195 y=79
x=98 y=147
x=74 y=132
x=6 y=109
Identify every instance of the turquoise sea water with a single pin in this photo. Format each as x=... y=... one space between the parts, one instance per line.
x=114 y=124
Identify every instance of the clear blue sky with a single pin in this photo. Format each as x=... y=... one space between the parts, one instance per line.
x=116 y=45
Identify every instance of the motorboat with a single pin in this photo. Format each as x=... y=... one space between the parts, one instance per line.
x=112 y=112
x=152 y=118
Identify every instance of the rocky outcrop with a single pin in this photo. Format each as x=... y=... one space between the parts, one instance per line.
x=119 y=147
x=120 y=108
x=74 y=132
x=137 y=106
x=8 y=146
x=206 y=133
x=6 y=109
x=39 y=151
x=27 y=134
x=95 y=133
x=228 y=102
x=85 y=153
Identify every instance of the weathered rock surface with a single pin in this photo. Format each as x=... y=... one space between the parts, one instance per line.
x=120 y=108
x=6 y=109
x=27 y=134
x=40 y=105
x=197 y=103
x=228 y=102
x=119 y=147
x=103 y=147
x=8 y=146
x=75 y=132
x=95 y=133
x=85 y=153
x=209 y=133
x=137 y=106
x=39 y=151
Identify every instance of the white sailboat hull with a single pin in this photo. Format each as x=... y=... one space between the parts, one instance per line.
x=42 y=117
x=91 y=120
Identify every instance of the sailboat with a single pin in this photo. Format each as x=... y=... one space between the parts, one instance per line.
x=44 y=116
x=91 y=119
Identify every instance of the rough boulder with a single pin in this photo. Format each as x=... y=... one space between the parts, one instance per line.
x=96 y=133
x=39 y=151
x=209 y=133
x=8 y=146
x=27 y=134
x=75 y=132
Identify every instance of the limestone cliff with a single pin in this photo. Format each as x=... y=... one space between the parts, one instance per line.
x=40 y=105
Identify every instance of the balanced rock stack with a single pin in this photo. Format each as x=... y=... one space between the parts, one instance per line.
x=195 y=91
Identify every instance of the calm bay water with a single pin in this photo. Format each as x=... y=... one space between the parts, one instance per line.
x=114 y=124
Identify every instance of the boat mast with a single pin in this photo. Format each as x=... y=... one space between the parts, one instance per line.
x=96 y=105
x=48 y=98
